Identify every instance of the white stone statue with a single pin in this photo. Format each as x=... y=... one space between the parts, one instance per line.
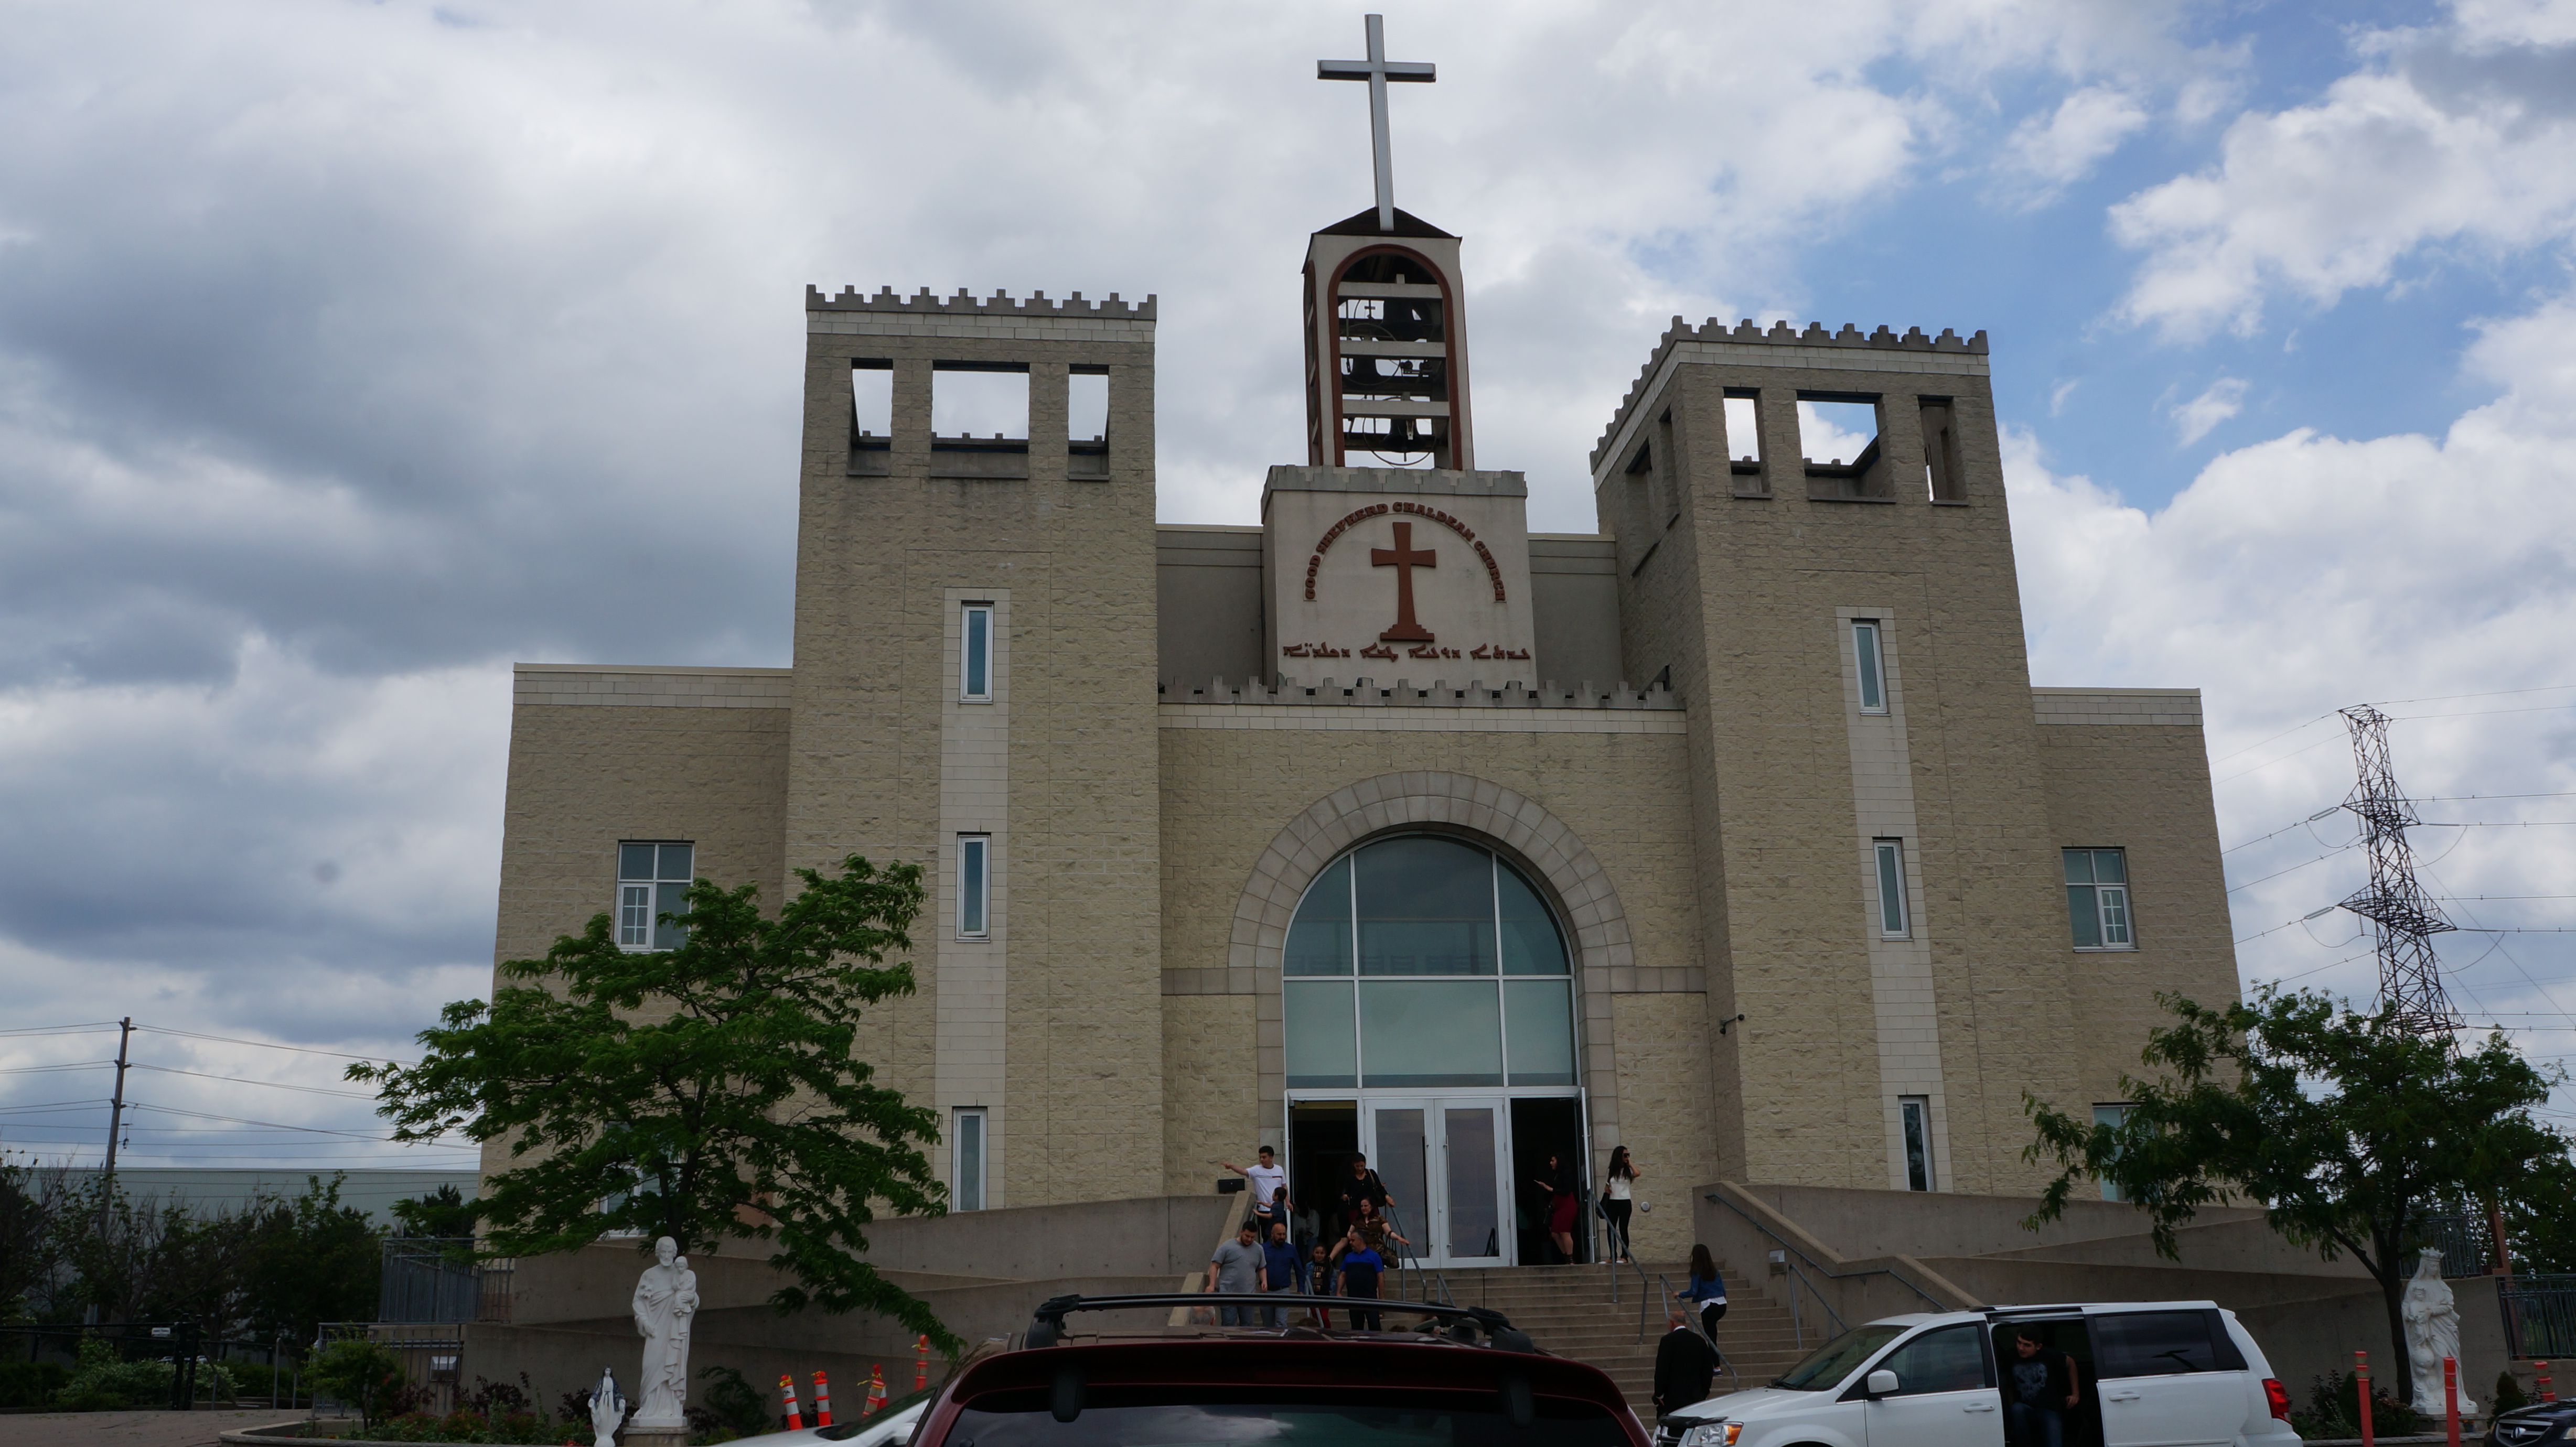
x=666 y=1296
x=2432 y=1321
x=607 y=1410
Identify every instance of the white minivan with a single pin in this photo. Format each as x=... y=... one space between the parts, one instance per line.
x=2167 y=1373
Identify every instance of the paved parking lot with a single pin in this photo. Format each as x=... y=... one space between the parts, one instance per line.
x=127 y=1429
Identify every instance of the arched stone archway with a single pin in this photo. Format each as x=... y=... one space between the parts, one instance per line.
x=1520 y=827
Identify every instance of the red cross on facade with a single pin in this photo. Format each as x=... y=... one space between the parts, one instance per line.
x=1404 y=560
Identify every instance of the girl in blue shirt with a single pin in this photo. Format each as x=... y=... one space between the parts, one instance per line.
x=1707 y=1288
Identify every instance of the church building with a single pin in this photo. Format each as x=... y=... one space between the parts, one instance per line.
x=1732 y=832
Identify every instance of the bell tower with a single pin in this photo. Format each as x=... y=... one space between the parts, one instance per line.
x=1386 y=337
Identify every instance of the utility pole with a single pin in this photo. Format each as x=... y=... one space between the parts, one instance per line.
x=2403 y=919
x=115 y=1123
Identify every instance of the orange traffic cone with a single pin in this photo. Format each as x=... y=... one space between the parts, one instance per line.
x=876 y=1390
x=921 y=1363
x=822 y=1401
x=787 y=1387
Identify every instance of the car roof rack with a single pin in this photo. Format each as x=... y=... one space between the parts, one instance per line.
x=1046 y=1327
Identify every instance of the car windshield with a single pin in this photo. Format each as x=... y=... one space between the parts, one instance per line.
x=1836 y=1359
x=1321 y=1417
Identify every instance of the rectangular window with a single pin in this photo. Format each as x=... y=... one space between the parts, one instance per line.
x=1873 y=675
x=1744 y=440
x=2097 y=899
x=1892 y=919
x=2112 y=1116
x=871 y=416
x=1086 y=404
x=980 y=400
x=974 y=886
x=1838 y=436
x=1914 y=1112
x=966 y=1193
x=975 y=653
x=2156 y=1344
x=1941 y=451
x=652 y=881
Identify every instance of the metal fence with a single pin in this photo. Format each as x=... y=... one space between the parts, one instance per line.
x=2467 y=1243
x=428 y=1278
x=190 y=1353
x=432 y=1353
x=2539 y=1315
x=437 y=1279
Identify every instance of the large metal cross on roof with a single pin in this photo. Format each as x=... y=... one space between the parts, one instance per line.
x=1377 y=70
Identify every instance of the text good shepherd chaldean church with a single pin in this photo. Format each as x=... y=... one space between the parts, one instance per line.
x=1733 y=832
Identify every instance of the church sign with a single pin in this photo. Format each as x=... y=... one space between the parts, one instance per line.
x=1389 y=572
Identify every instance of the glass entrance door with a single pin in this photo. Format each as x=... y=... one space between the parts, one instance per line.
x=1442 y=1161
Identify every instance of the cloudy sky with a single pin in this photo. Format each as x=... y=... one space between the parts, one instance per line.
x=349 y=352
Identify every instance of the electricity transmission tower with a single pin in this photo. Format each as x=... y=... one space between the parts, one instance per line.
x=2403 y=919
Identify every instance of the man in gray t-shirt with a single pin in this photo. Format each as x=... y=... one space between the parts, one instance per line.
x=1237 y=1267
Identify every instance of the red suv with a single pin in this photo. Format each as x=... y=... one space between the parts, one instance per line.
x=1464 y=1378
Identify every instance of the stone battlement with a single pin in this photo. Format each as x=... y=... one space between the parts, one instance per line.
x=1405 y=693
x=999 y=304
x=1780 y=334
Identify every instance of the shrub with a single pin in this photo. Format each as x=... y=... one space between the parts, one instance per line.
x=31 y=1384
x=105 y=1381
x=733 y=1406
x=2334 y=1410
x=2508 y=1394
x=366 y=1376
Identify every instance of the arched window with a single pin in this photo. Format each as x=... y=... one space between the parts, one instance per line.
x=1423 y=961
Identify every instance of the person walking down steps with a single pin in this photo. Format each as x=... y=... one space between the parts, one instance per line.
x=1238 y=1267
x=1707 y=1288
x=1619 y=1201
x=1268 y=1187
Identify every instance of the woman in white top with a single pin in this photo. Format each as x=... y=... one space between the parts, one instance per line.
x=1618 y=1200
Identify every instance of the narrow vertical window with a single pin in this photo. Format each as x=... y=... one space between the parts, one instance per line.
x=652 y=881
x=2111 y=1116
x=1744 y=441
x=1891 y=889
x=974 y=886
x=1873 y=678
x=966 y=1192
x=1941 y=451
x=2097 y=899
x=1915 y=1113
x=975 y=654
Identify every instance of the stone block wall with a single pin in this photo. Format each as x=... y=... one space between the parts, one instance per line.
x=2129 y=769
x=1747 y=585
x=1574 y=796
x=601 y=754
x=1065 y=784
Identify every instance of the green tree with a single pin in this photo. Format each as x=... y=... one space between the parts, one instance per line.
x=367 y=1376
x=443 y=1214
x=311 y=1260
x=2347 y=1131
x=698 y=1093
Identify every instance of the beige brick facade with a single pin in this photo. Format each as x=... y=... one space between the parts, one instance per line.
x=1749 y=1004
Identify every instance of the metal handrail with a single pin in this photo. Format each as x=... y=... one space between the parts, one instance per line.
x=1829 y=1274
x=1645 y=1288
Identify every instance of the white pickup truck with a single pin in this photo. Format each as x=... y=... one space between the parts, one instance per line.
x=2142 y=1374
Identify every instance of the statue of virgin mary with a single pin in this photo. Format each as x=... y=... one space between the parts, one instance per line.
x=2432 y=1320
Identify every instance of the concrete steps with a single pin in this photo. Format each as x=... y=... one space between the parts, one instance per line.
x=1568 y=1310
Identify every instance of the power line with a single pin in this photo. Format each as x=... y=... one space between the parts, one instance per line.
x=269 y=1045
x=268 y=1084
x=2295 y=868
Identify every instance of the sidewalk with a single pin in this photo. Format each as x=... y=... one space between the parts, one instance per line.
x=130 y=1429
